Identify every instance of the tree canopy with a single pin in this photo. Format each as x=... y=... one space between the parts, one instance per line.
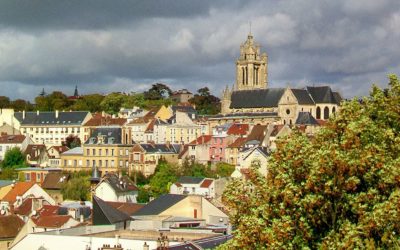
x=337 y=190
x=205 y=102
x=158 y=91
x=13 y=158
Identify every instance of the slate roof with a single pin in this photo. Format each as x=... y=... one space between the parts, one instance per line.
x=105 y=214
x=303 y=97
x=54 y=180
x=190 y=180
x=115 y=182
x=111 y=135
x=244 y=114
x=19 y=189
x=160 y=148
x=305 y=118
x=12 y=139
x=74 y=151
x=323 y=94
x=46 y=118
x=256 y=98
x=10 y=226
x=160 y=204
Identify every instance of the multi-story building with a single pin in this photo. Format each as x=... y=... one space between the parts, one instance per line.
x=51 y=128
x=106 y=149
x=101 y=120
x=181 y=96
x=8 y=142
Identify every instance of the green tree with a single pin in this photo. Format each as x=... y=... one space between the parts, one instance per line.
x=20 y=105
x=165 y=175
x=13 y=158
x=205 y=102
x=112 y=103
x=4 y=102
x=224 y=169
x=158 y=91
x=338 y=190
x=143 y=195
x=77 y=188
x=72 y=141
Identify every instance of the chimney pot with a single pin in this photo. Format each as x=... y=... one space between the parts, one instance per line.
x=37 y=112
x=56 y=113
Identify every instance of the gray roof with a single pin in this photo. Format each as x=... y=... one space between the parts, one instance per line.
x=256 y=98
x=47 y=118
x=5 y=183
x=190 y=180
x=323 y=94
x=111 y=135
x=303 y=97
x=120 y=185
x=74 y=151
x=105 y=214
x=160 y=204
x=305 y=118
x=161 y=148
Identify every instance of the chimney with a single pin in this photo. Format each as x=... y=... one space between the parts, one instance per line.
x=37 y=112
x=81 y=219
x=23 y=115
x=56 y=114
x=145 y=246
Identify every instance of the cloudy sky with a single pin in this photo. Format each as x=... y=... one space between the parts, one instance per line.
x=105 y=46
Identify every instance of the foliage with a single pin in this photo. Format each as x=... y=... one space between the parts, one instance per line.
x=139 y=178
x=8 y=174
x=338 y=190
x=143 y=195
x=206 y=104
x=20 y=105
x=4 y=102
x=158 y=91
x=77 y=188
x=165 y=175
x=72 y=141
x=223 y=169
x=112 y=103
x=54 y=101
x=191 y=168
x=13 y=158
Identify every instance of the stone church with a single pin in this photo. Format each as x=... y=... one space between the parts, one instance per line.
x=252 y=101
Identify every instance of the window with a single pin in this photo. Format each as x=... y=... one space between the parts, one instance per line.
x=121 y=164
x=112 y=152
x=93 y=151
x=326 y=113
x=288 y=111
x=106 y=151
x=318 y=113
x=87 y=151
x=27 y=177
x=75 y=163
x=100 y=163
x=87 y=163
x=112 y=163
x=121 y=152
x=106 y=163
x=99 y=152
x=65 y=162
x=94 y=163
x=126 y=152
x=38 y=177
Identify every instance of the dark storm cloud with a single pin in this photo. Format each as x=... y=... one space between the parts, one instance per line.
x=127 y=45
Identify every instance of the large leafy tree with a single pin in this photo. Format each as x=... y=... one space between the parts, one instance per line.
x=338 y=190
x=205 y=102
x=77 y=188
x=164 y=176
x=4 y=102
x=13 y=158
x=158 y=91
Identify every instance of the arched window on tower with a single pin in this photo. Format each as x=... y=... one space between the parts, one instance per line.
x=326 y=113
x=318 y=113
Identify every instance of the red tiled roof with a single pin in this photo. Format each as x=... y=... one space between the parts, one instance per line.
x=54 y=180
x=126 y=207
x=276 y=129
x=201 y=140
x=19 y=189
x=183 y=152
x=48 y=210
x=178 y=184
x=12 y=139
x=52 y=221
x=10 y=226
x=239 y=142
x=150 y=126
x=25 y=208
x=60 y=149
x=238 y=129
x=104 y=121
x=206 y=183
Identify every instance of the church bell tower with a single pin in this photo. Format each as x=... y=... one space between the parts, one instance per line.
x=251 y=67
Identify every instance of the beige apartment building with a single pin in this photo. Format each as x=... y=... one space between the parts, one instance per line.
x=106 y=149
